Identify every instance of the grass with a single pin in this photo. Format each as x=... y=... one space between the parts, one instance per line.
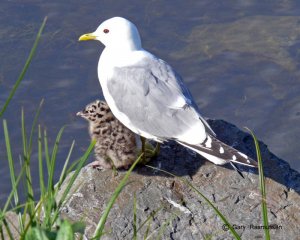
x=262 y=186
x=38 y=217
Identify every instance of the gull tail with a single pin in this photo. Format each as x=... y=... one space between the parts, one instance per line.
x=220 y=153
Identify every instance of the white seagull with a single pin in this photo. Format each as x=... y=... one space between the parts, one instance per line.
x=150 y=98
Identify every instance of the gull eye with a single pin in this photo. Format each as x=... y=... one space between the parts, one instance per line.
x=106 y=30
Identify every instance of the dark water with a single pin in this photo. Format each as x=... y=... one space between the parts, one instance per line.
x=239 y=58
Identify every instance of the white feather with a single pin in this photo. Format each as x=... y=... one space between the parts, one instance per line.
x=221 y=150
x=208 y=142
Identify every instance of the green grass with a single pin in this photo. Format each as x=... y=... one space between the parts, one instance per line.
x=38 y=217
x=262 y=186
x=30 y=217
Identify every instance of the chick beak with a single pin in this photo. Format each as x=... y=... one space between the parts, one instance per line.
x=80 y=114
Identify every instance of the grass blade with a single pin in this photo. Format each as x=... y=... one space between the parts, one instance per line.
x=24 y=134
x=47 y=156
x=40 y=158
x=147 y=230
x=12 y=173
x=64 y=170
x=28 y=179
x=34 y=125
x=9 y=233
x=50 y=204
x=53 y=159
x=99 y=229
x=262 y=187
x=10 y=161
x=10 y=196
x=65 y=231
x=164 y=226
x=149 y=218
x=28 y=61
x=73 y=166
x=27 y=148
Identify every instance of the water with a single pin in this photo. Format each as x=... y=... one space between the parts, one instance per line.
x=240 y=60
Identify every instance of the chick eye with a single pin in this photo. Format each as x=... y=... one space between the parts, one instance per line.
x=106 y=31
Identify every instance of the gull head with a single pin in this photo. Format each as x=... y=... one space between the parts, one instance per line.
x=117 y=33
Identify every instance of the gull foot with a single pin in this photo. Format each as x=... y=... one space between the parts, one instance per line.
x=149 y=152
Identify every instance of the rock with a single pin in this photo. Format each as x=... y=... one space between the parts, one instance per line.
x=12 y=220
x=175 y=211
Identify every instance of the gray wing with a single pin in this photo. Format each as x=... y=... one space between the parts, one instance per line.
x=188 y=95
x=154 y=98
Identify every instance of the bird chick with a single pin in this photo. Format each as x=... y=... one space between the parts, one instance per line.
x=116 y=145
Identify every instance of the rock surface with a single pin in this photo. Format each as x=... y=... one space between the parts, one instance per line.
x=176 y=211
x=12 y=220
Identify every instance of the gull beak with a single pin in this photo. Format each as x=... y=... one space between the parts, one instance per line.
x=87 y=36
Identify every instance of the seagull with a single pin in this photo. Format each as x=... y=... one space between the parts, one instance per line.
x=150 y=98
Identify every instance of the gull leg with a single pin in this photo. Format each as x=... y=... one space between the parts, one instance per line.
x=156 y=150
x=143 y=140
x=152 y=152
x=148 y=151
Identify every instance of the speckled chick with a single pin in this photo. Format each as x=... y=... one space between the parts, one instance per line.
x=115 y=144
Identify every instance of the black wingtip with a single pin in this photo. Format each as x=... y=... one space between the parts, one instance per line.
x=215 y=150
x=249 y=162
x=236 y=169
